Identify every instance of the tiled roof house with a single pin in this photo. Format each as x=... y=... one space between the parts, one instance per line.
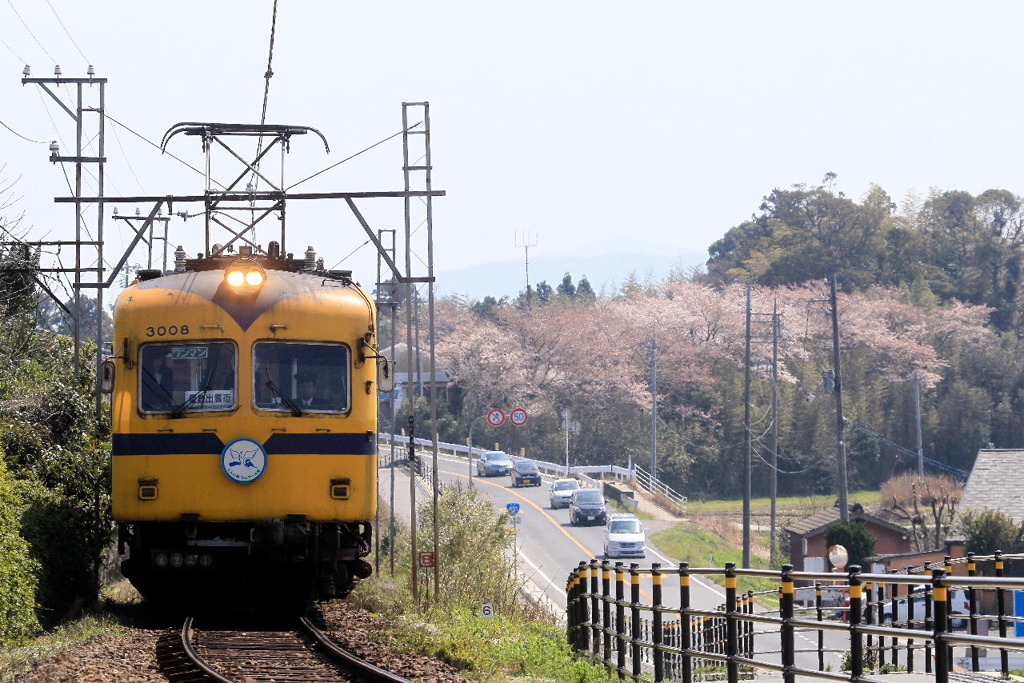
x=996 y=483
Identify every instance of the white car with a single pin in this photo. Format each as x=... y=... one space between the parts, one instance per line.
x=624 y=537
x=560 y=492
x=959 y=608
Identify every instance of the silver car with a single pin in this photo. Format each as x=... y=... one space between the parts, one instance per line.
x=493 y=464
x=624 y=537
x=561 y=491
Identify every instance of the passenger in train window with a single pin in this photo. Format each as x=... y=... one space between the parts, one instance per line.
x=308 y=396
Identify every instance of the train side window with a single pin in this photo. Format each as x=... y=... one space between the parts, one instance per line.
x=302 y=376
x=188 y=378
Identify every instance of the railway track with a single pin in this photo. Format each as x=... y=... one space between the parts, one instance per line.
x=299 y=653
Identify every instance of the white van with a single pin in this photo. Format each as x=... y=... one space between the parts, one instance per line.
x=959 y=608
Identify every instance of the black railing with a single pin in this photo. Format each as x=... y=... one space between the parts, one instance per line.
x=886 y=625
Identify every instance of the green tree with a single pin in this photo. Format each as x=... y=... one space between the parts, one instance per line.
x=544 y=293
x=990 y=530
x=584 y=292
x=566 y=288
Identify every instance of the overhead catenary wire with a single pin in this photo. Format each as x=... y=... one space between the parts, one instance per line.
x=267 y=75
x=18 y=14
x=11 y=50
x=26 y=139
x=70 y=37
x=145 y=139
x=353 y=156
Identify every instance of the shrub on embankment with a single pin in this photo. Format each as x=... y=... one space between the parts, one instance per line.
x=54 y=453
x=18 y=581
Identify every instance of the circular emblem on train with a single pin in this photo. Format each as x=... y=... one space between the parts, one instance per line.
x=244 y=460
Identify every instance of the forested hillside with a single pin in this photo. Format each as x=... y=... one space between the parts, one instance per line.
x=931 y=287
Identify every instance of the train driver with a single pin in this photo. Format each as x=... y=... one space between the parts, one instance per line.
x=156 y=380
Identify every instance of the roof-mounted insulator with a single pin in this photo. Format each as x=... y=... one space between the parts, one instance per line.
x=179 y=259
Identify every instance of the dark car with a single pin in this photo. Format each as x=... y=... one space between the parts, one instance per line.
x=525 y=473
x=493 y=464
x=587 y=507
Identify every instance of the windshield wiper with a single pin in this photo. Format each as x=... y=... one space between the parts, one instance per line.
x=296 y=410
x=180 y=410
x=156 y=383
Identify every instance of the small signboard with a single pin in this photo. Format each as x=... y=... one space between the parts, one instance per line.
x=217 y=399
x=519 y=417
x=513 y=509
x=426 y=559
x=487 y=610
x=496 y=417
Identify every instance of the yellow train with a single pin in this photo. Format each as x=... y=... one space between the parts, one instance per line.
x=244 y=416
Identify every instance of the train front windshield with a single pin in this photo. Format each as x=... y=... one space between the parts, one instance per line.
x=187 y=378
x=304 y=377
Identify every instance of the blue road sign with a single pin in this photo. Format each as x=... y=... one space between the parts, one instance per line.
x=513 y=508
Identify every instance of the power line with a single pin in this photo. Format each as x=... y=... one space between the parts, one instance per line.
x=38 y=142
x=145 y=139
x=18 y=14
x=66 y=31
x=11 y=50
x=349 y=158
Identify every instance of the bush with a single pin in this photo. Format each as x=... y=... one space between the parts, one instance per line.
x=990 y=530
x=62 y=540
x=17 y=569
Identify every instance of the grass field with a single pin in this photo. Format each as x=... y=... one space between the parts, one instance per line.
x=790 y=505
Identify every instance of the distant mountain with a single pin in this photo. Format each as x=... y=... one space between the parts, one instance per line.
x=606 y=273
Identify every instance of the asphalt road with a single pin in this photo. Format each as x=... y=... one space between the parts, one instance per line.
x=549 y=548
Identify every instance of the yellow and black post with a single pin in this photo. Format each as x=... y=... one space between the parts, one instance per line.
x=821 y=633
x=1004 y=659
x=731 y=636
x=684 y=619
x=595 y=615
x=786 y=613
x=853 y=618
x=620 y=619
x=928 y=619
x=634 y=608
x=606 y=612
x=940 y=600
x=972 y=569
x=657 y=636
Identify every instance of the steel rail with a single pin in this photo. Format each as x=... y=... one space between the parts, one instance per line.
x=186 y=643
x=370 y=672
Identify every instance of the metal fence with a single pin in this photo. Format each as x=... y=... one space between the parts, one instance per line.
x=651 y=641
x=671 y=498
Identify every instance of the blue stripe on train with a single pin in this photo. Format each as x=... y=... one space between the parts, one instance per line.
x=205 y=443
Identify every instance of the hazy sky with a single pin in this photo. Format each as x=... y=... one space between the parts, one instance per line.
x=583 y=127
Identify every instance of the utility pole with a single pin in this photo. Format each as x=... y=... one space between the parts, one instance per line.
x=917 y=414
x=527 y=240
x=772 y=319
x=775 y=430
x=80 y=160
x=654 y=405
x=844 y=507
x=746 y=429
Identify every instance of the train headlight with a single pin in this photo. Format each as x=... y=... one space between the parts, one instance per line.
x=245 y=273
